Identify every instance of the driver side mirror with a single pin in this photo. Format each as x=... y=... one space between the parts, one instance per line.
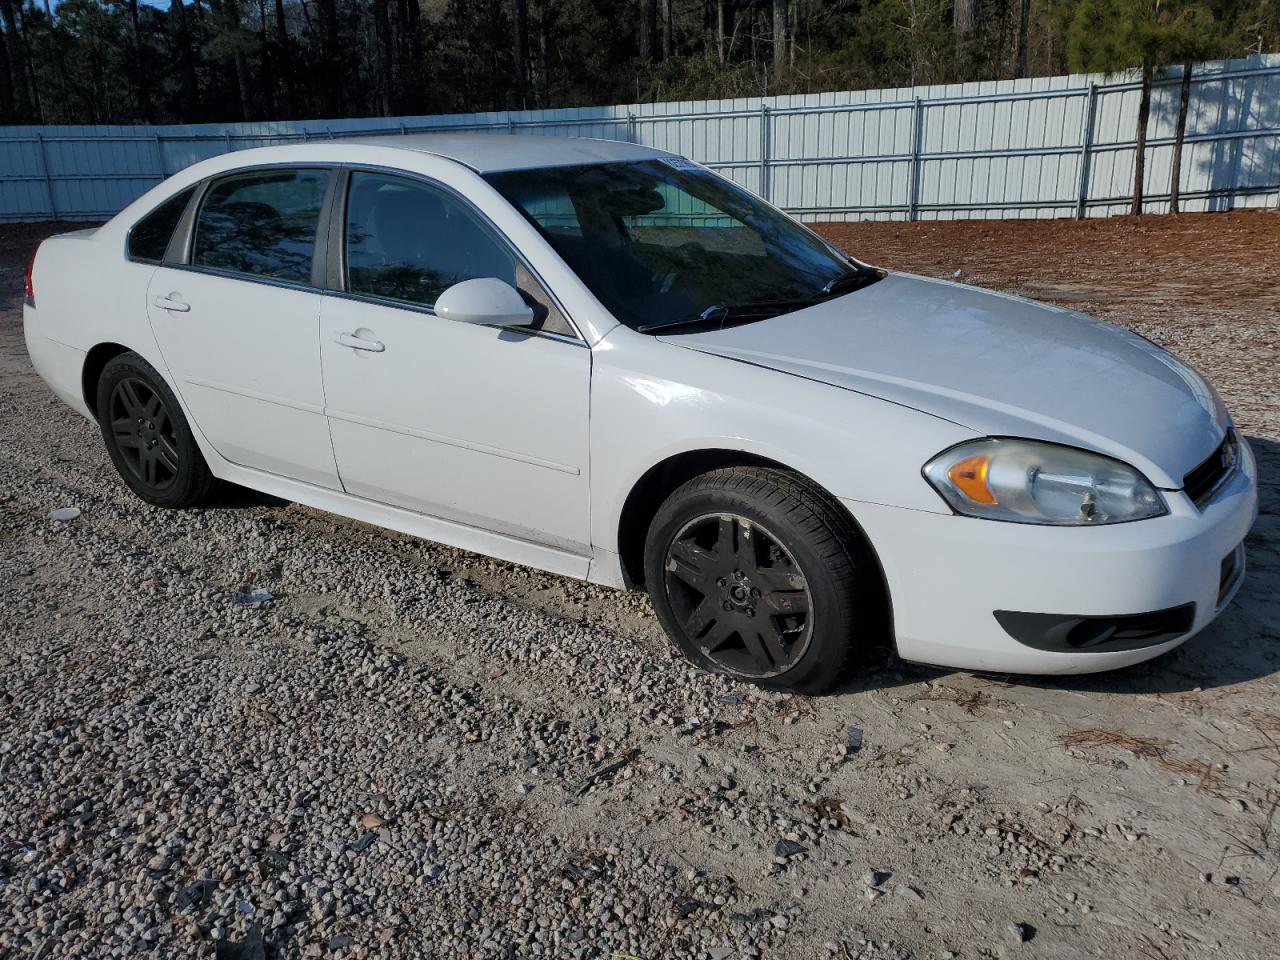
x=485 y=300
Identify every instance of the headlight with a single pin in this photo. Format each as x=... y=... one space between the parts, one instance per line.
x=1027 y=481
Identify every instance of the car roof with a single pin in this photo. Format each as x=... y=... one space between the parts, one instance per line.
x=488 y=153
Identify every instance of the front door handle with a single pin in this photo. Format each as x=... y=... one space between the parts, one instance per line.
x=359 y=343
x=172 y=303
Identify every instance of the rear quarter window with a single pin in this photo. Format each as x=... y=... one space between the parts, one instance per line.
x=150 y=236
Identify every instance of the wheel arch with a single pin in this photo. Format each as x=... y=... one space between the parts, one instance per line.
x=659 y=481
x=95 y=362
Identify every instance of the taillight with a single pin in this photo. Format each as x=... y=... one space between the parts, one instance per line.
x=29 y=296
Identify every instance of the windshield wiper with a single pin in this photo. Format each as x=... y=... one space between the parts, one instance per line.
x=719 y=314
x=848 y=282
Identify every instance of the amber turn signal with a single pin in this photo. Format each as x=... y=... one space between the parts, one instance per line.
x=969 y=476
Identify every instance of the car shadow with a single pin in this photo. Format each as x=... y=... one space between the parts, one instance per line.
x=1243 y=644
x=230 y=496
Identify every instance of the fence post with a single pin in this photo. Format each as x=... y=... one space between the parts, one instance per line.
x=44 y=172
x=160 y=174
x=631 y=127
x=764 y=151
x=917 y=135
x=1086 y=144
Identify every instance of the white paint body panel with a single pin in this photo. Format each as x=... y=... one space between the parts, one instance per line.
x=999 y=364
x=526 y=447
x=246 y=362
x=947 y=575
x=473 y=424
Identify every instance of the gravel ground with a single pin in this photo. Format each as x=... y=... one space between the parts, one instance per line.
x=416 y=752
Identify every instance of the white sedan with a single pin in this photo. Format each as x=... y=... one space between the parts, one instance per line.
x=606 y=361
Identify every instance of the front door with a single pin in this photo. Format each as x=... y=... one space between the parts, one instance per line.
x=238 y=325
x=478 y=425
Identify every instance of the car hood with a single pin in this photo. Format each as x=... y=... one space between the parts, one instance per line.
x=997 y=364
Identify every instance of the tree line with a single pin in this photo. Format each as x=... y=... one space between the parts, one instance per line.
x=123 y=61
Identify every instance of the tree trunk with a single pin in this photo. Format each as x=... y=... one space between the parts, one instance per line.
x=1024 y=24
x=648 y=25
x=6 y=89
x=17 y=56
x=408 y=55
x=793 y=32
x=138 y=67
x=1140 y=148
x=1179 y=137
x=284 y=55
x=268 y=79
x=231 y=9
x=720 y=30
x=779 y=36
x=966 y=17
x=413 y=28
x=282 y=27
x=181 y=32
x=544 y=63
x=333 y=65
x=7 y=110
x=520 y=51
x=382 y=33
x=668 y=31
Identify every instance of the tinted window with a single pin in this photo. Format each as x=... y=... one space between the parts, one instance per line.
x=666 y=243
x=149 y=237
x=409 y=242
x=261 y=223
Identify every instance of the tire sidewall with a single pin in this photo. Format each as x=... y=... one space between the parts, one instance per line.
x=832 y=611
x=190 y=459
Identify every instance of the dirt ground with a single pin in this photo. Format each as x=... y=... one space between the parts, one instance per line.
x=1206 y=287
x=1131 y=814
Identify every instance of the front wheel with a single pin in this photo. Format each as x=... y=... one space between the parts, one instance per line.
x=756 y=573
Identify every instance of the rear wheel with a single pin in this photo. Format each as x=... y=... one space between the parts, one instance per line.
x=148 y=437
x=756 y=573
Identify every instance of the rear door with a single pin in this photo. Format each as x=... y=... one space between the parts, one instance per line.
x=237 y=322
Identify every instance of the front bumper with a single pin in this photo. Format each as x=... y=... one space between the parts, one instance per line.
x=948 y=575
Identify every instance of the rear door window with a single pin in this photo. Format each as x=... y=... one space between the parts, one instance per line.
x=261 y=224
x=150 y=236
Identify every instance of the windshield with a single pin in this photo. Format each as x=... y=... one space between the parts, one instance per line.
x=665 y=243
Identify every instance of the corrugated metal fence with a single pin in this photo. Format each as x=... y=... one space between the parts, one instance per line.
x=1044 y=147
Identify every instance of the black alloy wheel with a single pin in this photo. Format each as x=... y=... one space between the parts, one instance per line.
x=739 y=595
x=144 y=433
x=757 y=573
x=147 y=435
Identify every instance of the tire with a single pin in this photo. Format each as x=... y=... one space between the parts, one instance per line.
x=147 y=435
x=746 y=551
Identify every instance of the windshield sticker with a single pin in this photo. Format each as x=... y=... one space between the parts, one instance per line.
x=680 y=163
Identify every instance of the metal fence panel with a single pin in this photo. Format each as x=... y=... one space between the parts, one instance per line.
x=1042 y=147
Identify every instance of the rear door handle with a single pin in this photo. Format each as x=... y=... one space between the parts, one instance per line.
x=173 y=303
x=359 y=343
